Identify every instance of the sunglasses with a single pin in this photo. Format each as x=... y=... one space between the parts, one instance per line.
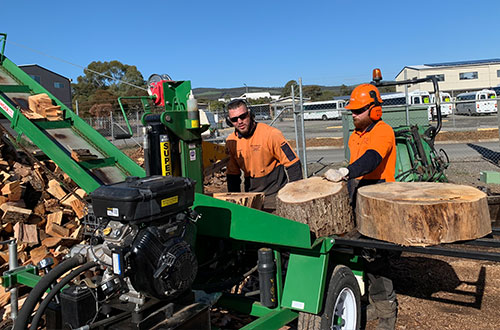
x=357 y=112
x=243 y=116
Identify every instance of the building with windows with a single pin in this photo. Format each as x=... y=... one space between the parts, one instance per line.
x=454 y=77
x=56 y=84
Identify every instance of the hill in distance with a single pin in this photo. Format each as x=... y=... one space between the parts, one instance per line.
x=216 y=93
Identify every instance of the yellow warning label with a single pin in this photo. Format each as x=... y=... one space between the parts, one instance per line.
x=195 y=123
x=169 y=201
x=166 y=158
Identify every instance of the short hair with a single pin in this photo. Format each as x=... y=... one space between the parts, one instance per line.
x=236 y=103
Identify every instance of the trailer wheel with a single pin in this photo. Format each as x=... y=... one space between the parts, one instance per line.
x=342 y=307
x=324 y=117
x=7 y=324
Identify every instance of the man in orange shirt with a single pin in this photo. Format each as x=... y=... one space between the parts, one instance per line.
x=372 y=144
x=267 y=160
x=373 y=159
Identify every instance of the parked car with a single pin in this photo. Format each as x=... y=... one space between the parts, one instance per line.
x=262 y=116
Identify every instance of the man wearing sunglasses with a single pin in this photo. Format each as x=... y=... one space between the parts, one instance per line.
x=372 y=146
x=261 y=152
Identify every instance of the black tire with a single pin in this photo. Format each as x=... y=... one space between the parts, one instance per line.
x=6 y=324
x=342 y=285
x=324 y=117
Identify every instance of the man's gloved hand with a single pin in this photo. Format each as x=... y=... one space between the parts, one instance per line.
x=336 y=175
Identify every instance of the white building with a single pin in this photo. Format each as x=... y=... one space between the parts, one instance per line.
x=454 y=77
x=257 y=95
x=254 y=95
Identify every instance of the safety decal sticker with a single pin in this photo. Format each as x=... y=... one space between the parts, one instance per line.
x=6 y=108
x=112 y=212
x=169 y=201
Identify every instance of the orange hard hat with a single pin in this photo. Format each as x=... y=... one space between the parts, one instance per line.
x=364 y=95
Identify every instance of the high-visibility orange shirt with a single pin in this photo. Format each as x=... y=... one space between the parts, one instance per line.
x=379 y=137
x=260 y=154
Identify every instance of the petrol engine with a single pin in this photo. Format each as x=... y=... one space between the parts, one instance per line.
x=147 y=232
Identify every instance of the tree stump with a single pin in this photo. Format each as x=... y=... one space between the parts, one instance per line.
x=422 y=213
x=319 y=203
x=255 y=200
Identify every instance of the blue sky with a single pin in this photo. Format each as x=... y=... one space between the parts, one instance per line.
x=257 y=43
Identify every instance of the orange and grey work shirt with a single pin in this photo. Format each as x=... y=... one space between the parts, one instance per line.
x=373 y=153
x=263 y=157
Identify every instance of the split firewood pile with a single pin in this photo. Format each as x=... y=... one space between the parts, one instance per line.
x=43 y=212
x=40 y=106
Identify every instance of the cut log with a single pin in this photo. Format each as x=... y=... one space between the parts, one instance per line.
x=56 y=190
x=81 y=155
x=55 y=217
x=422 y=213
x=11 y=188
x=319 y=203
x=249 y=199
x=53 y=229
x=14 y=214
x=26 y=233
x=38 y=254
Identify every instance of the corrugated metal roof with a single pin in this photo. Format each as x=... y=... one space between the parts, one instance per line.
x=459 y=63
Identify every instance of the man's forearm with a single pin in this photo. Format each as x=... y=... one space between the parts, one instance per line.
x=365 y=164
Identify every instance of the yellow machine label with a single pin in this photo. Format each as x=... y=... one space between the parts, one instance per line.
x=195 y=123
x=169 y=201
x=166 y=158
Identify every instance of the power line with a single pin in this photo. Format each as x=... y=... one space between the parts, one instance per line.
x=76 y=65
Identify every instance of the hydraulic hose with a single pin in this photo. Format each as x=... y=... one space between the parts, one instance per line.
x=42 y=286
x=55 y=290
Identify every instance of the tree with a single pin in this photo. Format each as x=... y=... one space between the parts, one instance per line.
x=344 y=90
x=312 y=91
x=287 y=90
x=116 y=78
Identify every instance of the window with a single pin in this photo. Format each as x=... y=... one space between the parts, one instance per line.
x=58 y=85
x=37 y=78
x=440 y=77
x=468 y=75
x=498 y=73
x=416 y=100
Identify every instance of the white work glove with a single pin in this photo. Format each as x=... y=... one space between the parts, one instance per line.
x=336 y=175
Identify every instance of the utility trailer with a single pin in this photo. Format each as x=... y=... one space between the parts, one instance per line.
x=157 y=241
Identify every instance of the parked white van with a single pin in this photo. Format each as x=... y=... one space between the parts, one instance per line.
x=446 y=104
x=476 y=103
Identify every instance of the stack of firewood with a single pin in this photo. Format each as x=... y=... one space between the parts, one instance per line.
x=42 y=211
x=42 y=107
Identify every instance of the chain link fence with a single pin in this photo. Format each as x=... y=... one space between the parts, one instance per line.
x=469 y=130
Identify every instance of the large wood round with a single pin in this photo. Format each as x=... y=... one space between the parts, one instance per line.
x=422 y=213
x=319 y=203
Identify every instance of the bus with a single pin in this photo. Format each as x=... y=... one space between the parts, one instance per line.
x=323 y=110
x=446 y=105
x=414 y=98
x=476 y=103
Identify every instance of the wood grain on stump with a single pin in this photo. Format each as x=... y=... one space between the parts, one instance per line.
x=422 y=213
x=319 y=203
